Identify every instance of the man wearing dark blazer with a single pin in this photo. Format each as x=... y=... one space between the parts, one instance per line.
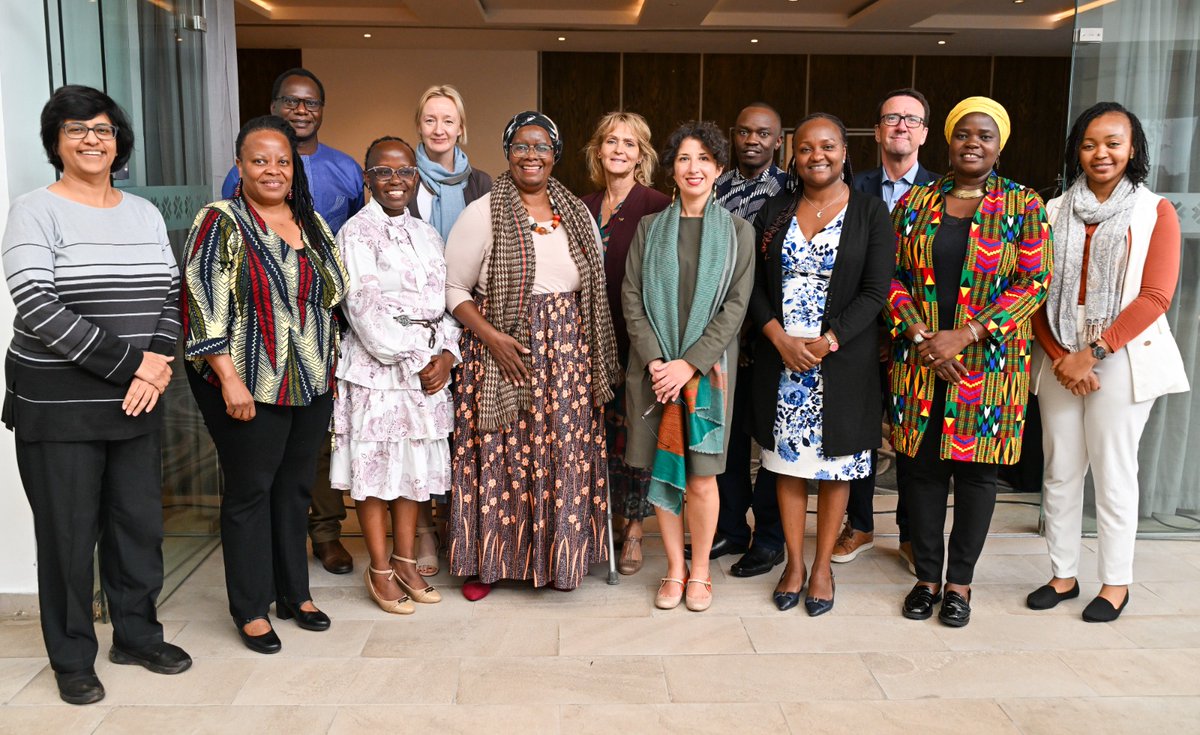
x=901 y=126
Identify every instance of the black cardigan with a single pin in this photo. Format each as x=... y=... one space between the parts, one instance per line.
x=858 y=287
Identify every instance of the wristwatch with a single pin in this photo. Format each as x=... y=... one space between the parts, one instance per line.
x=833 y=345
x=1098 y=352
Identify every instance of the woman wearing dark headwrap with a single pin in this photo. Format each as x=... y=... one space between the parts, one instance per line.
x=973 y=255
x=525 y=277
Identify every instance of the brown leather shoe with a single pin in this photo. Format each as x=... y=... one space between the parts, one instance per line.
x=333 y=556
x=852 y=543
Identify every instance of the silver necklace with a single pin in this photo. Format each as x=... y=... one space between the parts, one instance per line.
x=821 y=210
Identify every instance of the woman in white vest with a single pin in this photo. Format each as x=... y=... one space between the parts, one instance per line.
x=1105 y=349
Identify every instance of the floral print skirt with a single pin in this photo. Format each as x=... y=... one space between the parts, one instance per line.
x=630 y=485
x=528 y=501
x=798 y=433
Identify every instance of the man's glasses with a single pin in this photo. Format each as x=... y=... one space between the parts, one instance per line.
x=521 y=149
x=910 y=121
x=384 y=173
x=79 y=131
x=291 y=103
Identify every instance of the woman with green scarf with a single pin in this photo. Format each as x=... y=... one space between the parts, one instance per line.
x=688 y=279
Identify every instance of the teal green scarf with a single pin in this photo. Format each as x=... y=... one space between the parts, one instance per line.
x=697 y=423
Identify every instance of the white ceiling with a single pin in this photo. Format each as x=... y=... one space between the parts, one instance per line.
x=968 y=27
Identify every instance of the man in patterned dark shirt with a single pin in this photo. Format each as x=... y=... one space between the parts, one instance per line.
x=743 y=189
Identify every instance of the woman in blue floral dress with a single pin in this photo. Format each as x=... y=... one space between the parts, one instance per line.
x=825 y=263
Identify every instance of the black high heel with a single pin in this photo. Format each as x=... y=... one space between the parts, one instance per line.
x=265 y=643
x=315 y=620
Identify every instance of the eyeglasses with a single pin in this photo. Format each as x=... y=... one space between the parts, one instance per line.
x=384 y=173
x=521 y=149
x=79 y=131
x=910 y=121
x=291 y=103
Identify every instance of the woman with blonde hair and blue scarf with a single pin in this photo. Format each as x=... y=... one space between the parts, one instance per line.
x=688 y=279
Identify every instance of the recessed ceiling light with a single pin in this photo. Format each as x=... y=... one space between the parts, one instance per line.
x=941 y=43
x=1018 y=2
x=753 y=40
x=366 y=35
x=562 y=38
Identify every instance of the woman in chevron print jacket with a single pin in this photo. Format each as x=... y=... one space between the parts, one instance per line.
x=973 y=253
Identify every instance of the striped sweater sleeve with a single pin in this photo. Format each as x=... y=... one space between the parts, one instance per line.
x=28 y=258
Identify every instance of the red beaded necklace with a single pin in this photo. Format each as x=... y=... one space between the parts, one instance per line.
x=555 y=220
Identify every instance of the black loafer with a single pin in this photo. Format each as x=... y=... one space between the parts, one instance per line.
x=918 y=605
x=79 y=687
x=721 y=546
x=1101 y=610
x=956 y=610
x=266 y=643
x=756 y=561
x=315 y=620
x=161 y=658
x=1046 y=597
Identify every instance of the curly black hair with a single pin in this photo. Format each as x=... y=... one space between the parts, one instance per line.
x=1139 y=160
x=794 y=183
x=705 y=131
x=386 y=139
x=301 y=203
x=77 y=102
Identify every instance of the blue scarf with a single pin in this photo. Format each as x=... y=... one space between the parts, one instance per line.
x=448 y=187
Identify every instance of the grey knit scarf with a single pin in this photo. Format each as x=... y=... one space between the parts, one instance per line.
x=1107 y=256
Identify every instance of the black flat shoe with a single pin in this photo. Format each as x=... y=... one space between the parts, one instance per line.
x=786 y=600
x=161 y=658
x=756 y=561
x=79 y=687
x=721 y=547
x=1046 y=597
x=816 y=606
x=266 y=643
x=315 y=620
x=918 y=605
x=1101 y=610
x=956 y=610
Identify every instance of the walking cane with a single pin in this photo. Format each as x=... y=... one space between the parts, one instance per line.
x=613 y=578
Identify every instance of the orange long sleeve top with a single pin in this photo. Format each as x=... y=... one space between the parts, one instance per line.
x=1159 y=279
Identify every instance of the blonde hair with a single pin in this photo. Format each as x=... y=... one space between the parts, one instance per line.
x=452 y=94
x=644 y=173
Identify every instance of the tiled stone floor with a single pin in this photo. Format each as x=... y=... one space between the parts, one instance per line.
x=602 y=660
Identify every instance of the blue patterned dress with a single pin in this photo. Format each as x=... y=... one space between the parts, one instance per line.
x=807 y=267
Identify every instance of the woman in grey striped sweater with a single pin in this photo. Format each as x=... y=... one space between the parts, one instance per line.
x=96 y=291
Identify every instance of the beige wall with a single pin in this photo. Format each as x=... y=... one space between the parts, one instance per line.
x=374 y=93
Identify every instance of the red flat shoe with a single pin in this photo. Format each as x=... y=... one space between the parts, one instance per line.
x=475 y=590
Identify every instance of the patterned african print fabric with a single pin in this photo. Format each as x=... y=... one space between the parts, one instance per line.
x=248 y=294
x=1004 y=280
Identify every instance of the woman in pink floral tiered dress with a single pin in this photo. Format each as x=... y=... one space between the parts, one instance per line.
x=393 y=413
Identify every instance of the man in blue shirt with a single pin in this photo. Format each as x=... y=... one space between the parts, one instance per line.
x=335 y=181
x=743 y=189
x=901 y=126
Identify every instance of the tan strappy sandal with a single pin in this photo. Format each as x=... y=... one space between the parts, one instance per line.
x=664 y=601
x=403 y=606
x=693 y=604
x=427 y=596
x=631 y=556
x=428 y=561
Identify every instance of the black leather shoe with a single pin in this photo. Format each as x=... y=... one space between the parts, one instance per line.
x=266 y=643
x=79 y=687
x=333 y=556
x=918 y=605
x=1101 y=610
x=721 y=546
x=956 y=610
x=816 y=606
x=315 y=620
x=756 y=561
x=161 y=658
x=1046 y=597
x=786 y=600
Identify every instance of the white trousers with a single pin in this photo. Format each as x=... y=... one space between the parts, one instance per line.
x=1101 y=430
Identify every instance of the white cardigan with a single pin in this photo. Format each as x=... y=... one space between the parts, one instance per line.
x=1154 y=359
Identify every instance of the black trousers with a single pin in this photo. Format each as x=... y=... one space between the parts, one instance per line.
x=268 y=465
x=82 y=493
x=736 y=493
x=926 y=481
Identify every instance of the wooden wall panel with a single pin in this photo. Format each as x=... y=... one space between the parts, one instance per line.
x=945 y=81
x=257 y=69
x=850 y=87
x=577 y=89
x=1034 y=91
x=732 y=81
x=665 y=89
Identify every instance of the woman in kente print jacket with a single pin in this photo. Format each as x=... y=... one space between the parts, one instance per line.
x=973 y=257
